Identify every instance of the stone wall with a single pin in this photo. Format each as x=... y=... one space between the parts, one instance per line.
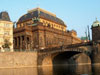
x=18 y=59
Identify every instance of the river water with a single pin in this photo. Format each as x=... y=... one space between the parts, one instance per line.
x=56 y=70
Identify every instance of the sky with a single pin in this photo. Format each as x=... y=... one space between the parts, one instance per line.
x=76 y=14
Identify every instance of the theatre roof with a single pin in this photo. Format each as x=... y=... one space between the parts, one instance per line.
x=40 y=13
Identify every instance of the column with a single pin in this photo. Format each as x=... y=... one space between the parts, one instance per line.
x=25 y=40
x=30 y=42
x=14 y=42
x=17 y=42
x=20 y=43
x=23 y=43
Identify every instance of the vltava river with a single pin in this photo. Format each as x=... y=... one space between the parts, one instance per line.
x=56 y=70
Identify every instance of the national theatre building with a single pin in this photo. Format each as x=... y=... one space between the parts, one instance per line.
x=39 y=29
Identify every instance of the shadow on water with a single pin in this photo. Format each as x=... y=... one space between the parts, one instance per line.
x=77 y=70
x=56 y=70
x=64 y=70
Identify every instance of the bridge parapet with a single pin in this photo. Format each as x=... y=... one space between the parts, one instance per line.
x=59 y=50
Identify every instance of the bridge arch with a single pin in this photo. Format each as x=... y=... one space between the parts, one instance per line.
x=70 y=57
x=60 y=56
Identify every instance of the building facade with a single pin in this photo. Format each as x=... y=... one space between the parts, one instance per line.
x=42 y=29
x=6 y=33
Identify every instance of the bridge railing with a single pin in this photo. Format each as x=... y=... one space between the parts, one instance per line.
x=80 y=44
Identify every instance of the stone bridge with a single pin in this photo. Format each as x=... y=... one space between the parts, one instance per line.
x=61 y=54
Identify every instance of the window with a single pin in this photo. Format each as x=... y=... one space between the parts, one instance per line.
x=6 y=33
x=6 y=25
x=48 y=25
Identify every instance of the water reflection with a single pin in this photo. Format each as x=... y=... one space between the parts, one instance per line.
x=64 y=70
x=56 y=70
x=47 y=70
x=96 y=69
x=84 y=69
x=20 y=71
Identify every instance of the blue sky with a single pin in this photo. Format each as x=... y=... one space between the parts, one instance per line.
x=77 y=14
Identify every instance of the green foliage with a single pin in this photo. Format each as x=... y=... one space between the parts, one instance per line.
x=7 y=44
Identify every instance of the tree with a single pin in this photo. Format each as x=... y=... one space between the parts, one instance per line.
x=7 y=44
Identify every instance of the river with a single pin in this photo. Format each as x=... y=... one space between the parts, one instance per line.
x=56 y=70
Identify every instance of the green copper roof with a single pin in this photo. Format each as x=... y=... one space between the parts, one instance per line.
x=96 y=23
x=84 y=38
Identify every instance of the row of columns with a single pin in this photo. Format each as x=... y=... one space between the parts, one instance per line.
x=21 y=43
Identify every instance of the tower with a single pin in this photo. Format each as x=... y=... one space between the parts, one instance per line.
x=96 y=31
x=96 y=41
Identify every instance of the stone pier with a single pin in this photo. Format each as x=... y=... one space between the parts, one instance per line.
x=96 y=54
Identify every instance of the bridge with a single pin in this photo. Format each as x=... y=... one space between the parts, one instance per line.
x=61 y=54
x=66 y=54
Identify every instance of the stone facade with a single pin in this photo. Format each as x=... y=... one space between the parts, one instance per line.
x=41 y=37
x=95 y=33
x=42 y=32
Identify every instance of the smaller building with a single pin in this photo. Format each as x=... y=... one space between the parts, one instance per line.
x=85 y=39
x=6 y=33
x=96 y=31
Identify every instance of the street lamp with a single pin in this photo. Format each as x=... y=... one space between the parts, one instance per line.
x=14 y=24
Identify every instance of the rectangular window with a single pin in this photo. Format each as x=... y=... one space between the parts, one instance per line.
x=6 y=25
x=6 y=33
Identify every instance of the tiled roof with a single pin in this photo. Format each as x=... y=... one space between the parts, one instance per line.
x=4 y=16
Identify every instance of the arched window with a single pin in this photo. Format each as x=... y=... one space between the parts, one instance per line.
x=48 y=25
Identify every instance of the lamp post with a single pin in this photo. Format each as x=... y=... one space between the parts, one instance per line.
x=14 y=24
x=88 y=33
